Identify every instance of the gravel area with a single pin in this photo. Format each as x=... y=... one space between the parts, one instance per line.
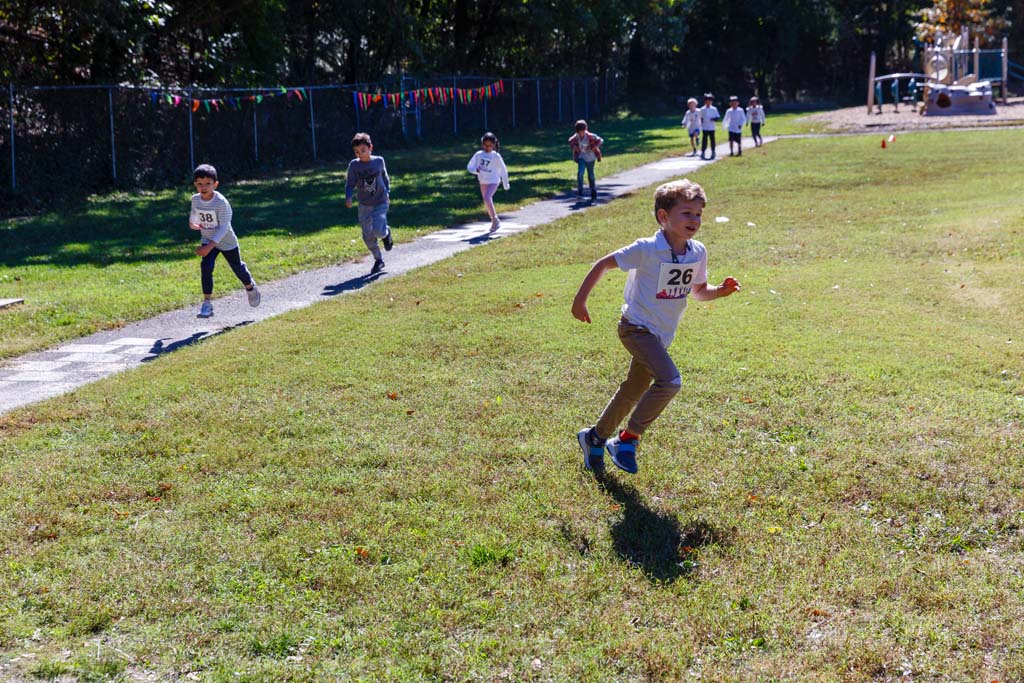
x=856 y=119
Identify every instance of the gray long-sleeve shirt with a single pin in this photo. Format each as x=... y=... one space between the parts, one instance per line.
x=369 y=181
x=214 y=218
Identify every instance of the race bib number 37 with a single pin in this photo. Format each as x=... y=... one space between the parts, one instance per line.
x=674 y=280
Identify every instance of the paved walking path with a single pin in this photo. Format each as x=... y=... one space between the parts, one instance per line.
x=56 y=371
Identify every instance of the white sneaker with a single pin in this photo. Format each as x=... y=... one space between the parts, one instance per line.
x=206 y=310
x=495 y=224
x=254 y=295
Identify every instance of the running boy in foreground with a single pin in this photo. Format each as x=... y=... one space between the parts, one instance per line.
x=664 y=270
x=211 y=216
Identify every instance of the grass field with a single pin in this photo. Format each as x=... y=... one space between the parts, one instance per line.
x=124 y=257
x=386 y=486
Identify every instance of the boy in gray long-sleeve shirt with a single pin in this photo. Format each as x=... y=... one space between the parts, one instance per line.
x=367 y=178
x=211 y=216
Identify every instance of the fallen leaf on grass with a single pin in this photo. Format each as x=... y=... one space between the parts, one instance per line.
x=393 y=395
x=815 y=612
x=409 y=412
x=362 y=553
x=746 y=399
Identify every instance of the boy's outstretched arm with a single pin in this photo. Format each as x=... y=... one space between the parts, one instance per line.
x=702 y=292
x=579 y=304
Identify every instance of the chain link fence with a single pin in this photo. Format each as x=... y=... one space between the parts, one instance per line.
x=63 y=141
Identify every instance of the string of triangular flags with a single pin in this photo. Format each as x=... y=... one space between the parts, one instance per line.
x=424 y=96
x=217 y=103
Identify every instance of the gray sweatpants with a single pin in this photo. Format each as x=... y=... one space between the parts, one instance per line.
x=650 y=363
x=374 y=221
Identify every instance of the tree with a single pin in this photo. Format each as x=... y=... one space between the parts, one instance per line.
x=950 y=17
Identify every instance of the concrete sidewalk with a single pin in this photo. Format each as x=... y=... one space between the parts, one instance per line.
x=56 y=371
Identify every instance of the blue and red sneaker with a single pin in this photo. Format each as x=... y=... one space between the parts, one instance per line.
x=622 y=448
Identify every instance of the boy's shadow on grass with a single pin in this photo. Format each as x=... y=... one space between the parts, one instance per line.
x=654 y=541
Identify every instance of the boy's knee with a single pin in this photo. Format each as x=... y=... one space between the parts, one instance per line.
x=673 y=385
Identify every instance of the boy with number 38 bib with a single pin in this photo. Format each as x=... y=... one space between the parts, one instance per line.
x=664 y=270
x=211 y=216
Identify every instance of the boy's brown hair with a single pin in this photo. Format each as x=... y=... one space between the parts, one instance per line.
x=581 y=125
x=362 y=139
x=666 y=196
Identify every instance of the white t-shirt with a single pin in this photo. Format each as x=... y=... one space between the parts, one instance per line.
x=708 y=116
x=657 y=288
x=755 y=114
x=691 y=119
x=489 y=168
x=734 y=119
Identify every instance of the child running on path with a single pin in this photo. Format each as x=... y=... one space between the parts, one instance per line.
x=691 y=121
x=664 y=270
x=211 y=216
x=367 y=178
x=756 y=119
x=708 y=116
x=489 y=168
x=586 y=149
x=733 y=122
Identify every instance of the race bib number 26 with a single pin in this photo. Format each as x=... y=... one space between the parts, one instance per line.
x=674 y=280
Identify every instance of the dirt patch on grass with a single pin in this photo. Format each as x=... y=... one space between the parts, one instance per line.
x=857 y=119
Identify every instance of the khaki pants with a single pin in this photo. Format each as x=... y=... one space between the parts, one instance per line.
x=650 y=363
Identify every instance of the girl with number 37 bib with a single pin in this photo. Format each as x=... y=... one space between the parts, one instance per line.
x=664 y=270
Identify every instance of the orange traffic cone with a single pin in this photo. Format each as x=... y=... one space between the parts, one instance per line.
x=883 y=143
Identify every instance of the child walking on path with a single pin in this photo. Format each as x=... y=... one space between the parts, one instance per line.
x=586 y=149
x=367 y=178
x=211 y=216
x=756 y=119
x=691 y=121
x=664 y=270
x=708 y=116
x=733 y=122
x=489 y=168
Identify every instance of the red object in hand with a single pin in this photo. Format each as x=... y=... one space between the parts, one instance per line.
x=730 y=282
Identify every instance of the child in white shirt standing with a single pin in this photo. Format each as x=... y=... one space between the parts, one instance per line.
x=489 y=168
x=691 y=121
x=733 y=122
x=756 y=119
x=708 y=116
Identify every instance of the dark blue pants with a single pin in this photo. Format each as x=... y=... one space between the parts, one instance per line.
x=708 y=135
x=234 y=259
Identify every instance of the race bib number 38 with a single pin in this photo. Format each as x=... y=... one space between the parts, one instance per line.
x=674 y=280
x=204 y=219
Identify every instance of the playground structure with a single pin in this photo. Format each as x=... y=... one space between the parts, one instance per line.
x=954 y=80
